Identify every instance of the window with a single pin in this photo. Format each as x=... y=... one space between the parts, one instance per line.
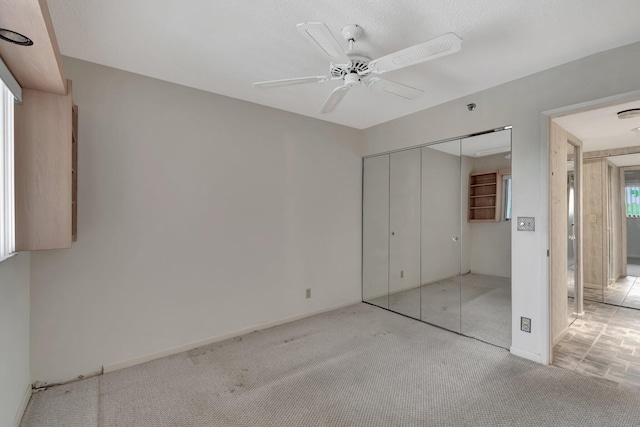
x=632 y=198
x=506 y=197
x=7 y=211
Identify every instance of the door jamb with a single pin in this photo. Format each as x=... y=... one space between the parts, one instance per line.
x=545 y=118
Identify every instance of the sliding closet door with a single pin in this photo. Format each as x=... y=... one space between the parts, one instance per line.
x=404 y=239
x=441 y=239
x=375 y=231
x=486 y=279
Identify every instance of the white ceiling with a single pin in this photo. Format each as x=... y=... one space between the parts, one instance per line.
x=601 y=129
x=626 y=160
x=224 y=46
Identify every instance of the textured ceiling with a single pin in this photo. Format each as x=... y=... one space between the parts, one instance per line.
x=601 y=129
x=224 y=46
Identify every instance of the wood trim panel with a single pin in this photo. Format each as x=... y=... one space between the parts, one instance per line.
x=74 y=175
x=559 y=139
x=558 y=229
x=612 y=152
x=43 y=164
x=37 y=67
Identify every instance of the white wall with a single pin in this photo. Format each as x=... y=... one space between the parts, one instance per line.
x=520 y=103
x=199 y=215
x=15 y=379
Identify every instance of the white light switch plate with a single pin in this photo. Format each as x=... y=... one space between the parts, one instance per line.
x=526 y=223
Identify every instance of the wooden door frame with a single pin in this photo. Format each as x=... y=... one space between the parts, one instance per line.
x=558 y=230
x=546 y=355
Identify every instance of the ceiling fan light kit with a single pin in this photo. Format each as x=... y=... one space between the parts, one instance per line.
x=355 y=68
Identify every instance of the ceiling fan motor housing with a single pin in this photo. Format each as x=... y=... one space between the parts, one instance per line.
x=358 y=65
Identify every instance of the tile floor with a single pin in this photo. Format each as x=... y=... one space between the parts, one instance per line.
x=603 y=345
x=624 y=291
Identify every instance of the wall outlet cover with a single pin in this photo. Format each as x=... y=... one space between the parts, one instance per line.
x=525 y=324
x=526 y=223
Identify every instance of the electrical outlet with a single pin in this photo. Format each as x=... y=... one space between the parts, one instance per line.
x=525 y=324
x=307 y=293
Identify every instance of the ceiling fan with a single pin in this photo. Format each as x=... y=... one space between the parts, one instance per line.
x=355 y=68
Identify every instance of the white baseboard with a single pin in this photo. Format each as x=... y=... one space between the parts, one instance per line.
x=110 y=367
x=23 y=406
x=561 y=335
x=526 y=354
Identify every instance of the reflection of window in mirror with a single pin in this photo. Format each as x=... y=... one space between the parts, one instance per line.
x=633 y=200
x=506 y=198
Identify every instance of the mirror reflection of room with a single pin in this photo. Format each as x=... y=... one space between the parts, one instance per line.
x=437 y=234
x=625 y=290
x=571 y=227
x=612 y=265
x=610 y=206
x=486 y=282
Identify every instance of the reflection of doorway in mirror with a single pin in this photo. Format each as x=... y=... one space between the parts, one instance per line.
x=632 y=222
x=622 y=233
x=571 y=227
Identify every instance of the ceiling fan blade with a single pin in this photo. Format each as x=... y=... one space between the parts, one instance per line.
x=289 y=82
x=334 y=99
x=435 y=48
x=320 y=36
x=377 y=84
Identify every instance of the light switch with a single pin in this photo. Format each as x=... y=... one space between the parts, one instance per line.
x=526 y=223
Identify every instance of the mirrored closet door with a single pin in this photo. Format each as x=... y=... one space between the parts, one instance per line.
x=375 y=231
x=437 y=232
x=486 y=260
x=441 y=235
x=404 y=239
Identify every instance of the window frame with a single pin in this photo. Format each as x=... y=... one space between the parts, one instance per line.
x=507 y=197
x=628 y=195
x=7 y=172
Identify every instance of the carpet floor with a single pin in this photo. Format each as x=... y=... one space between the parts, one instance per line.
x=476 y=305
x=356 y=366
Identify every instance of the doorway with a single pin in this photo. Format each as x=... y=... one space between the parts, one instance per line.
x=566 y=267
x=598 y=341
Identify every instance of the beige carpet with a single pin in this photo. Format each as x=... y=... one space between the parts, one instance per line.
x=476 y=305
x=357 y=366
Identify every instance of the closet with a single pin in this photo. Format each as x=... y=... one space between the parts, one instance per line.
x=423 y=255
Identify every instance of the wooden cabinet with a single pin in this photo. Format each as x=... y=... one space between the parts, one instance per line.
x=45 y=166
x=485 y=196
